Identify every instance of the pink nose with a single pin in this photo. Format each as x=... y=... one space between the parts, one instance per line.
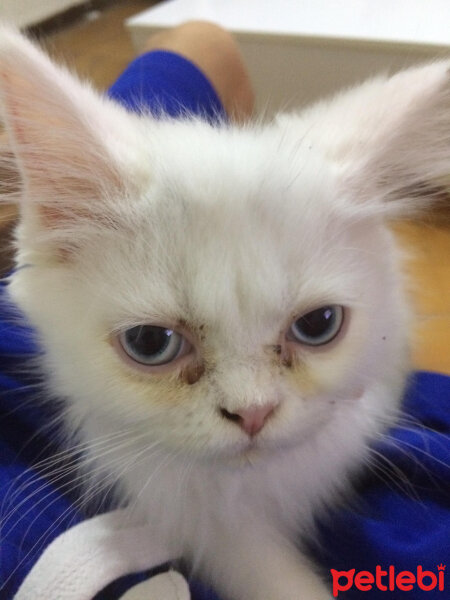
x=251 y=419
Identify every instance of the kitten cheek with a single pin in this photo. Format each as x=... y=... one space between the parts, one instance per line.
x=304 y=380
x=316 y=370
x=300 y=358
x=331 y=375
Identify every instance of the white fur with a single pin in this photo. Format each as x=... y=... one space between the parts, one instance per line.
x=234 y=232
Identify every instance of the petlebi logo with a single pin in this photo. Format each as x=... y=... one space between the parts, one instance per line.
x=389 y=579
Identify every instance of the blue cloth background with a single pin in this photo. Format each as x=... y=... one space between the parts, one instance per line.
x=167 y=84
x=400 y=524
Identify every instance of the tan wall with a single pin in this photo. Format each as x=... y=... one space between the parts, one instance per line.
x=29 y=12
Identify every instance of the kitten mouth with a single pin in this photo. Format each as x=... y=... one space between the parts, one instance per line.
x=252 y=445
x=248 y=455
x=255 y=449
x=243 y=452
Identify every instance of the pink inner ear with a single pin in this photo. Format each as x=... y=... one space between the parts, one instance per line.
x=56 y=125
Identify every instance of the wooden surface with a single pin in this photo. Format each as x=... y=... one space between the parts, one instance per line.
x=99 y=49
x=429 y=270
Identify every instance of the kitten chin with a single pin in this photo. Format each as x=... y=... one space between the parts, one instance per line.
x=222 y=308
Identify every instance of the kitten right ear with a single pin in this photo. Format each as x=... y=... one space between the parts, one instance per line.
x=409 y=165
x=71 y=146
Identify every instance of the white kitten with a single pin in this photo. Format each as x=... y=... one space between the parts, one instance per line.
x=237 y=417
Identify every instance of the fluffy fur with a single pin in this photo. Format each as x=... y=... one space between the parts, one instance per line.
x=230 y=234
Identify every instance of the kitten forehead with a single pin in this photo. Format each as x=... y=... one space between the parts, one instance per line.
x=253 y=245
x=201 y=160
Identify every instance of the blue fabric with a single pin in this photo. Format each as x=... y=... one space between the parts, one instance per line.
x=404 y=524
x=167 y=84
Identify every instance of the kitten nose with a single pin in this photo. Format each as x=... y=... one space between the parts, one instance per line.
x=251 y=419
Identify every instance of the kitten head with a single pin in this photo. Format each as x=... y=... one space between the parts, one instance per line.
x=215 y=290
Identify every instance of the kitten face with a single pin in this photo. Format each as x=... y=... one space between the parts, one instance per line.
x=230 y=261
x=227 y=237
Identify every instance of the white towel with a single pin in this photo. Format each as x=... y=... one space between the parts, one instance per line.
x=86 y=558
x=166 y=586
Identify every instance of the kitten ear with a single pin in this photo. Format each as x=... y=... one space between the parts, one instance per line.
x=409 y=164
x=70 y=145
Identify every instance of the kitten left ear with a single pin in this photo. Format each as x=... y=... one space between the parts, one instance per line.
x=71 y=146
x=410 y=164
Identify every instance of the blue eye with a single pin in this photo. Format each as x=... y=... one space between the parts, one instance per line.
x=318 y=327
x=153 y=346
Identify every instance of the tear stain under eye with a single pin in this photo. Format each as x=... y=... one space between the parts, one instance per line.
x=283 y=354
x=192 y=373
x=287 y=361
